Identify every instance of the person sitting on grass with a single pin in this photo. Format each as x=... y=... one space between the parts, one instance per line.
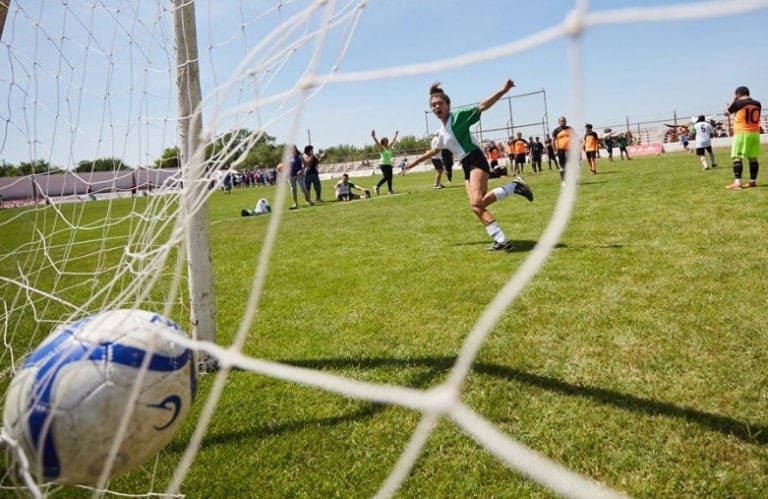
x=344 y=190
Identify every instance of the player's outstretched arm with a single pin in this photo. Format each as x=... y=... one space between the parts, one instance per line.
x=490 y=101
x=420 y=159
x=375 y=140
x=394 y=139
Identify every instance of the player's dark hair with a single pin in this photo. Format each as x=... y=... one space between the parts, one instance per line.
x=742 y=91
x=436 y=91
x=701 y=118
x=308 y=149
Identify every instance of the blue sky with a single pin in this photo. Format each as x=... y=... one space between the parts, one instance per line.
x=122 y=103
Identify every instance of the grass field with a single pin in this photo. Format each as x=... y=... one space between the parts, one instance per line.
x=637 y=356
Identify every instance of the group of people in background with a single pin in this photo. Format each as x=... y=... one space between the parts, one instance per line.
x=520 y=152
x=454 y=142
x=256 y=178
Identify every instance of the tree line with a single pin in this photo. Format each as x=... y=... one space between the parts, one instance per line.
x=242 y=149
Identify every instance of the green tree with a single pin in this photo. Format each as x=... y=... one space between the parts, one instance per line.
x=169 y=158
x=343 y=153
x=243 y=145
x=36 y=166
x=263 y=155
x=8 y=170
x=101 y=165
x=412 y=145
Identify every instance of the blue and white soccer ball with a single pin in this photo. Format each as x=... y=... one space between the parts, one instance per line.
x=67 y=402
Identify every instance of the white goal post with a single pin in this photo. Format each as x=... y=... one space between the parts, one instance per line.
x=192 y=162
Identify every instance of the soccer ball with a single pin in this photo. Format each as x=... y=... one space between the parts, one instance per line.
x=69 y=400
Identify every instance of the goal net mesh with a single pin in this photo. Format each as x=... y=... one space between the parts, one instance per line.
x=92 y=79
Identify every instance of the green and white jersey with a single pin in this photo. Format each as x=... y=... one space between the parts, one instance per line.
x=343 y=189
x=454 y=135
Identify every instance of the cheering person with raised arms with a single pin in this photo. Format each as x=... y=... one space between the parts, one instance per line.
x=454 y=135
x=385 y=160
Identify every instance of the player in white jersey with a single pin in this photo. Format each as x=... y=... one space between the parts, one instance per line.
x=703 y=132
x=262 y=208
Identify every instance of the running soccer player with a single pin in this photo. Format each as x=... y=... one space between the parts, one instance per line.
x=746 y=136
x=702 y=133
x=592 y=148
x=455 y=135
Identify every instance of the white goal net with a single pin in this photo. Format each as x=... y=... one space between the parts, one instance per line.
x=101 y=200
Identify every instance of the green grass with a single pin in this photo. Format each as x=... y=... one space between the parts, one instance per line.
x=636 y=356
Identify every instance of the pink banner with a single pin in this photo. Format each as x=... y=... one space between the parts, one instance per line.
x=644 y=149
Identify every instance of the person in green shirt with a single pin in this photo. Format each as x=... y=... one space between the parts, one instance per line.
x=385 y=161
x=455 y=135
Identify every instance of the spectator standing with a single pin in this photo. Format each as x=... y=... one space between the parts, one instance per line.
x=551 y=156
x=385 y=161
x=537 y=151
x=608 y=143
x=296 y=178
x=312 y=172
x=622 y=140
x=684 y=138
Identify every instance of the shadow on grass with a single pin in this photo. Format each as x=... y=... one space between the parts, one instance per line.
x=439 y=367
x=276 y=428
x=520 y=246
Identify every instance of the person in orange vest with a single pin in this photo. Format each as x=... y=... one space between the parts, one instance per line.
x=561 y=137
x=592 y=148
x=520 y=147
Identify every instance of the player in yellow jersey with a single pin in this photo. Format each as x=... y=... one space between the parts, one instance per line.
x=746 y=136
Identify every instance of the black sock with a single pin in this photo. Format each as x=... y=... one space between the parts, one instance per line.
x=738 y=168
x=753 y=168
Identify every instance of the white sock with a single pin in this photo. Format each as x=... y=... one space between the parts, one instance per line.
x=504 y=191
x=495 y=232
